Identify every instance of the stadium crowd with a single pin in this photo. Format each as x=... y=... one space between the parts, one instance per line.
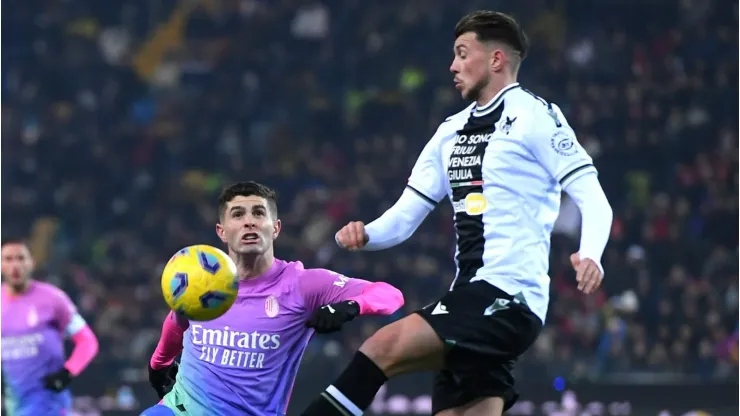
x=123 y=119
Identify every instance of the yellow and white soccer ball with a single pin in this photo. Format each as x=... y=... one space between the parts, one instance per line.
x=200 y=282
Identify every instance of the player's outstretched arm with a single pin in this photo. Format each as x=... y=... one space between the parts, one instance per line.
x=85 y=344
x=394 y=227
x=162 y=365
x=336 y=299
x=427 y=186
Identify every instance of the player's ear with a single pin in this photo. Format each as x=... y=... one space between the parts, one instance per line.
x=220 y=232
x=276 y=229
x=498 y=60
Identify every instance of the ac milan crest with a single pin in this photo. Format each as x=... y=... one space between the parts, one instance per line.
x=271 y=306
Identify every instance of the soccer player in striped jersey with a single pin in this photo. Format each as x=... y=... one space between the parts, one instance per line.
x=503 y=163
x=36 y=318
x=245 y=362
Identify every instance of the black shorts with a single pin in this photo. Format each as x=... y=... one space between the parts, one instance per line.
x=486 y=330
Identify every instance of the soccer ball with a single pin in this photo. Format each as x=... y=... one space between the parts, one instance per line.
x=200 y=282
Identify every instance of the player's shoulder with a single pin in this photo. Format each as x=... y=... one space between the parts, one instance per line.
x=51 y=292
x=292 y=268
x=524 y=100
x=48 y=288
x=456 y=121
x=317 y=277
x=450 y=126
x=534 y=113
x=302 y=273
x=295 y=270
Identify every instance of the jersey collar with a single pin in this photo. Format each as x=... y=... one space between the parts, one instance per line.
x=495 y=101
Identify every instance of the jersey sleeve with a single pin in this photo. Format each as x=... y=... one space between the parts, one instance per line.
x=321 y=287
x=67 y=317
x=428 y=178
x=553 y=143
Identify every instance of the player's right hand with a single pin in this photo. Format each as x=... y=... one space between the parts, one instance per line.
x=352 y=236
x=330 y=318
x=163 y=379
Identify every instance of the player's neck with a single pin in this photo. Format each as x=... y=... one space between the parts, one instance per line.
x=251 y=266
x=19 y=289
x=493 y=88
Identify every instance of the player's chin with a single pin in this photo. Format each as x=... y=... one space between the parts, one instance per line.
x=15 y=280
x=467 y=94
x=460 y=87
x=250 y=248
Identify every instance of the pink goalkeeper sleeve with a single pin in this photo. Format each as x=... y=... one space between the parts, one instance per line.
x=170 y=343
x=85 y=349
x=322 y=287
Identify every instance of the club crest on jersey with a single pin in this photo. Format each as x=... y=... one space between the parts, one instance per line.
x=271 y=306
x=506 y=124
x=563 y=144
x=473 y=204
x=32 y=318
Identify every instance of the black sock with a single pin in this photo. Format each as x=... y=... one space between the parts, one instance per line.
x=353 y=391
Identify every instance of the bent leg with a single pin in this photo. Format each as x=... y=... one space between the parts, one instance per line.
x=404 y=346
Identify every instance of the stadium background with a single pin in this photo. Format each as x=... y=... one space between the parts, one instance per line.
x=122 y=119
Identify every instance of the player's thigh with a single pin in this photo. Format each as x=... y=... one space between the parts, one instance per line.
x=485 y=330
x=482 y=320
x=407 y=345
x=471 y=393
x=158 y=410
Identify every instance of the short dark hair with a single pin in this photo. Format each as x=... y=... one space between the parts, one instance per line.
x=248 y=188
x=14 y=240
x=494 y=26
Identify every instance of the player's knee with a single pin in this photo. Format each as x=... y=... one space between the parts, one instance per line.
x=406 y=345
x=383 y=347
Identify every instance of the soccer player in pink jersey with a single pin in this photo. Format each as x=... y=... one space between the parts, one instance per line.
x=36 y=317
x=245 y=362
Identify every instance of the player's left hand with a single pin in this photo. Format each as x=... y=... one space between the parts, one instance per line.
x=58 y=381
x=330 y=318
x=163 y=379
x=588 y=273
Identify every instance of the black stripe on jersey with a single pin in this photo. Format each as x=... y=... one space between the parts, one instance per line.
x=574 y=171
x=468 y=180
x=424 y=197
x=550 y=111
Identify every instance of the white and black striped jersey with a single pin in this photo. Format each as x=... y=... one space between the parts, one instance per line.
x=503 y=166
